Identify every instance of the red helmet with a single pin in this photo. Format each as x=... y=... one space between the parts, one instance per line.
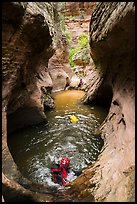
x=64 y=161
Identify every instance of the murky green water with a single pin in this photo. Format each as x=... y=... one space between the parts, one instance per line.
x=35 y=148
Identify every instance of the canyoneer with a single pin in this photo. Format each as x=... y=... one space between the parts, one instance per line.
x=60 y=172
x=80 y=83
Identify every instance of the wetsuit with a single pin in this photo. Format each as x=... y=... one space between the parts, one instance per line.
x=60 y=174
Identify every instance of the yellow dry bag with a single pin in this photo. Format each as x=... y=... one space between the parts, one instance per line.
x=73 y=119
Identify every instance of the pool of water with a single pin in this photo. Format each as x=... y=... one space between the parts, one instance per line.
x=34 y=149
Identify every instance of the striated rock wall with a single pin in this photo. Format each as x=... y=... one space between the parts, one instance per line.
x=27 y=32
x=112 y=41
x=77 y=18
x=26 y=51
x=26 y=46
x=77 y=8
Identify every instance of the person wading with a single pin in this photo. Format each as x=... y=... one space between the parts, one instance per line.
x=60 y=171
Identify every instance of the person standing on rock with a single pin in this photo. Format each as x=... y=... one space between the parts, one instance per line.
x=67 y=82
x=80 y=83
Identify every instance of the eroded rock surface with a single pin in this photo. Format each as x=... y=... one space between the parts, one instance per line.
x=27 y=39
x=77 y=19
x=112 y=33
x=26 y=49
x=77 y=8
x=25 y=43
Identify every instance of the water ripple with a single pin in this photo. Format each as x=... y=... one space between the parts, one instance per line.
x=39 y=146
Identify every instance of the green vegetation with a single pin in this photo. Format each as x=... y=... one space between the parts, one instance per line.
x=69 y=17
x=64 y=30
x=68 y=36
x=83 y=41
x=71 y=54
x=62 y=23
x=83 y=49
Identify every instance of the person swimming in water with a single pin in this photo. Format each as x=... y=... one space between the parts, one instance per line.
x=60 y=172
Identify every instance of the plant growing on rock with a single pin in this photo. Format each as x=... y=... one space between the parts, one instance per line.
x=80 y=52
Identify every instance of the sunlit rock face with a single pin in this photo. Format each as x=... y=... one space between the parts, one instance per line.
x=77 y=8
x=112 y=41
x=77 y=18
x=59 y=68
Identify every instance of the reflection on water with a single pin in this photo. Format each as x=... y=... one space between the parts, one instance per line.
x=35 y=148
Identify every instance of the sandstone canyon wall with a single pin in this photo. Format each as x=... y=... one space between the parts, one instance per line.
x=77 y=8
x=28 y=65
x=112 y=41
x=27 y=45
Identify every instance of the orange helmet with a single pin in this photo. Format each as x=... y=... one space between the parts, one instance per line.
x=64 y=161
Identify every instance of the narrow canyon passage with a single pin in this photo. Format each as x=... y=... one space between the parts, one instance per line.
x=62 y=60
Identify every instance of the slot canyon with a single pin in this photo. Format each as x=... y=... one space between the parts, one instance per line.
x=47 y=47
